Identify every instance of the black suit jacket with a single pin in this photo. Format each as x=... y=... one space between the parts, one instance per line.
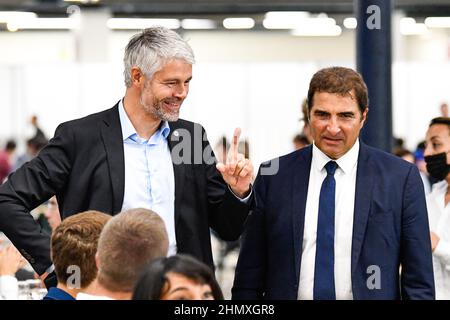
x=83 y=164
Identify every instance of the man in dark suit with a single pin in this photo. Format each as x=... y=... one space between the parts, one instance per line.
x=338 y=219
x=136 y=154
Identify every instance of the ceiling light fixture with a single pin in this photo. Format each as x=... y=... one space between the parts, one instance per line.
x=238 y=23
x=141 y=23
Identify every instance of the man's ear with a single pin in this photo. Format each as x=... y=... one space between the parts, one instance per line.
x=364 y=116
x=137 y=77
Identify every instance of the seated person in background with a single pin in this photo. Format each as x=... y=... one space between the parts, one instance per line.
x=52 y=213
x=300 y=141
x=6 y=159
x=405 y=154
x=10 y=262
x=179 y=277
x=34 y=146
x=73 y=248
x=128 y=242
x=419 y=160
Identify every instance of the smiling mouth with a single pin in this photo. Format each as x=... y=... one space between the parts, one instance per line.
x=173 y=106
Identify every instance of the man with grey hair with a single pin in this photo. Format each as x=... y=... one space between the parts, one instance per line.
x=136 y=154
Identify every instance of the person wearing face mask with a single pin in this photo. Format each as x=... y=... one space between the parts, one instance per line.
x=437 y=159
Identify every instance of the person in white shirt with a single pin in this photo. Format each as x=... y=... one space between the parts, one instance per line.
x=10 y=262
x=127 y=243
x=437 y=159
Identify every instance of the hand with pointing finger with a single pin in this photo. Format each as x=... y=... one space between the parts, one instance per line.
x=237 y=171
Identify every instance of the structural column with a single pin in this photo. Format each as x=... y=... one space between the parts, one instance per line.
x=374 y=62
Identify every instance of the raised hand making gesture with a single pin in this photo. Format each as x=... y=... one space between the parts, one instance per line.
x=237 y=171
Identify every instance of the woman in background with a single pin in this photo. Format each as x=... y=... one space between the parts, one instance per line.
x=178 y=277
x=437 y=160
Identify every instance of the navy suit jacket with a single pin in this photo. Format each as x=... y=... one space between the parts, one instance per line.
x=390 y=229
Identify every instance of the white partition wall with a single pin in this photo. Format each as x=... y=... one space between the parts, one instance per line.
x=254 y=80
x=262 y=98
x=418 y=91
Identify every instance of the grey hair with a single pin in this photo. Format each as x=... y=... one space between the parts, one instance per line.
x=151 y=48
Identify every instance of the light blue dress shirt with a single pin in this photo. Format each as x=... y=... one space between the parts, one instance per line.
x=149 y=176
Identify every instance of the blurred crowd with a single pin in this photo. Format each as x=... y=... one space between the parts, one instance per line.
x=184 y=276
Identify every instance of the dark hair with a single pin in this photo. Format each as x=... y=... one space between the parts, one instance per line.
x=10 y=145
x=401 y=152
x=341 y=81
x=304 y=111
x=151 y=283
x=301 y=139
x=37 y=143
x=440 y=120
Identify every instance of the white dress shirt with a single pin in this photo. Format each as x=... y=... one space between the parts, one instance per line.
x=345 y=177
x=439 y=219
x=149 y=176
x=86 y=296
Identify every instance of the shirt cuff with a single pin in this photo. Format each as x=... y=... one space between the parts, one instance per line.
x=50 y=269
x=245 y=200
x=442 y=252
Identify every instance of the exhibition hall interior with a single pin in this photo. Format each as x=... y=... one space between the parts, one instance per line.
x=254 y=60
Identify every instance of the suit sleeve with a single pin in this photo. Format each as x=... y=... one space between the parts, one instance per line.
x=249 y=280
x=29 y=186
x=417 y=281
x=227 y=214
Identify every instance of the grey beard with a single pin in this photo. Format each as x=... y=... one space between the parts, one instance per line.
x=159 y=113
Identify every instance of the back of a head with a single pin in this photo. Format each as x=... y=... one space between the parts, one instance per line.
x=339 y=80
x=74 y=245
x=402 y=152
x=153 y=279
x=10 y=145
x=37 y=143
x=151 y=48
x=128 y=242
x=300 y=140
